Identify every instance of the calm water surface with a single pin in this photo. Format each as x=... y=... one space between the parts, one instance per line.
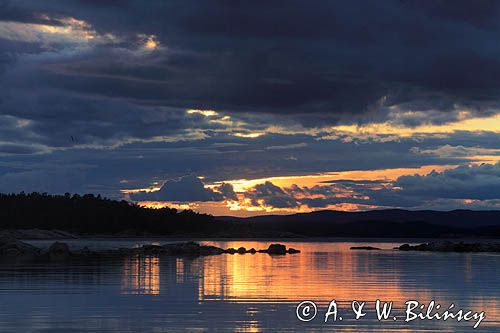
x=245 y=293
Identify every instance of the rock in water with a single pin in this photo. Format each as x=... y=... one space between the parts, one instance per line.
x=59 y=250
x=188 y=248
x=368 y=248
x=207 y=250
x=447 y=246
x=276 y=249
x=191 y=249
x=292 y=250
x=151 y=249
x=230 y=251
x=405 y=247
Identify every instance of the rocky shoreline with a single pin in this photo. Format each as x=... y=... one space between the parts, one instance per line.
x=13 y=248
x=36 y=234
x=447 y=246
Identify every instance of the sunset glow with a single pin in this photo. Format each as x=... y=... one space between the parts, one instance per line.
x=491 y=124
x=249 y=166
x=170 y=114
x=242 y=205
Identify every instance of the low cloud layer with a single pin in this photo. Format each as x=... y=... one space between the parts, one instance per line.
x=462 y=187
x=185 y=189
x=472 y=187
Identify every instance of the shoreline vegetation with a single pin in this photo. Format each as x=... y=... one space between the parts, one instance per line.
x=44 y=216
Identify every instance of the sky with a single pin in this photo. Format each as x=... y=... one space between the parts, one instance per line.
x=244 y=108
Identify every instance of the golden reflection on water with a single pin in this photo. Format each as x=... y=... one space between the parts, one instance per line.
x=322 y=272
x=343 y=275
x=179 y=270
x=251 y=326
x=141 y=275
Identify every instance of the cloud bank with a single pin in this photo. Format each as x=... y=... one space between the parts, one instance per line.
x=107 y=96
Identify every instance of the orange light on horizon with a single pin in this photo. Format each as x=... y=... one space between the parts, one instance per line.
x=243 y=206
x=242 y=185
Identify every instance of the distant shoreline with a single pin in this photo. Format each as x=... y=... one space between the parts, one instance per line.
x=41 y=234
x=42 y=216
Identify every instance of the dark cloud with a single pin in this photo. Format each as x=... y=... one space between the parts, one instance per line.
x=481 y=13
x=57 y=179
x=106 y=102
x=184 y=189
x=465 y=182
x=322 y=57
x=268 y=194
x=227 y=191
x=222 y=157
x=314 y=63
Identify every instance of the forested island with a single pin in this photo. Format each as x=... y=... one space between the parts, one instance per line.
x=91 y=215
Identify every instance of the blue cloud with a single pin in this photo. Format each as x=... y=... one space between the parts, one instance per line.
x=184 y=189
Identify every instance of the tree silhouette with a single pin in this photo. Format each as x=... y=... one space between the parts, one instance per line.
x=89 y=214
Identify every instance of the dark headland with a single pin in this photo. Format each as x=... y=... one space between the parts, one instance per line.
x=38 y=215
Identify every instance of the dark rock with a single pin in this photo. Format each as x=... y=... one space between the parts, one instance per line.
x=276 y=249
x=188 y=248
x=206 y=250
x=405 y=247
x=59 y=250
x=368 y=248
x=230 y=251
x=151 y=249
x=85 y=251
x=11 y=247
x=447 y=246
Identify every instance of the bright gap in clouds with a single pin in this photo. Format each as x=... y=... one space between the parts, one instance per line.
x=245 y=207
x=475 y=124
x=241 y=185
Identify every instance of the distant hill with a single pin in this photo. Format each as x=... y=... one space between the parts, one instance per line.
x=379 y=223
x=91 y=215
x=454 y=218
